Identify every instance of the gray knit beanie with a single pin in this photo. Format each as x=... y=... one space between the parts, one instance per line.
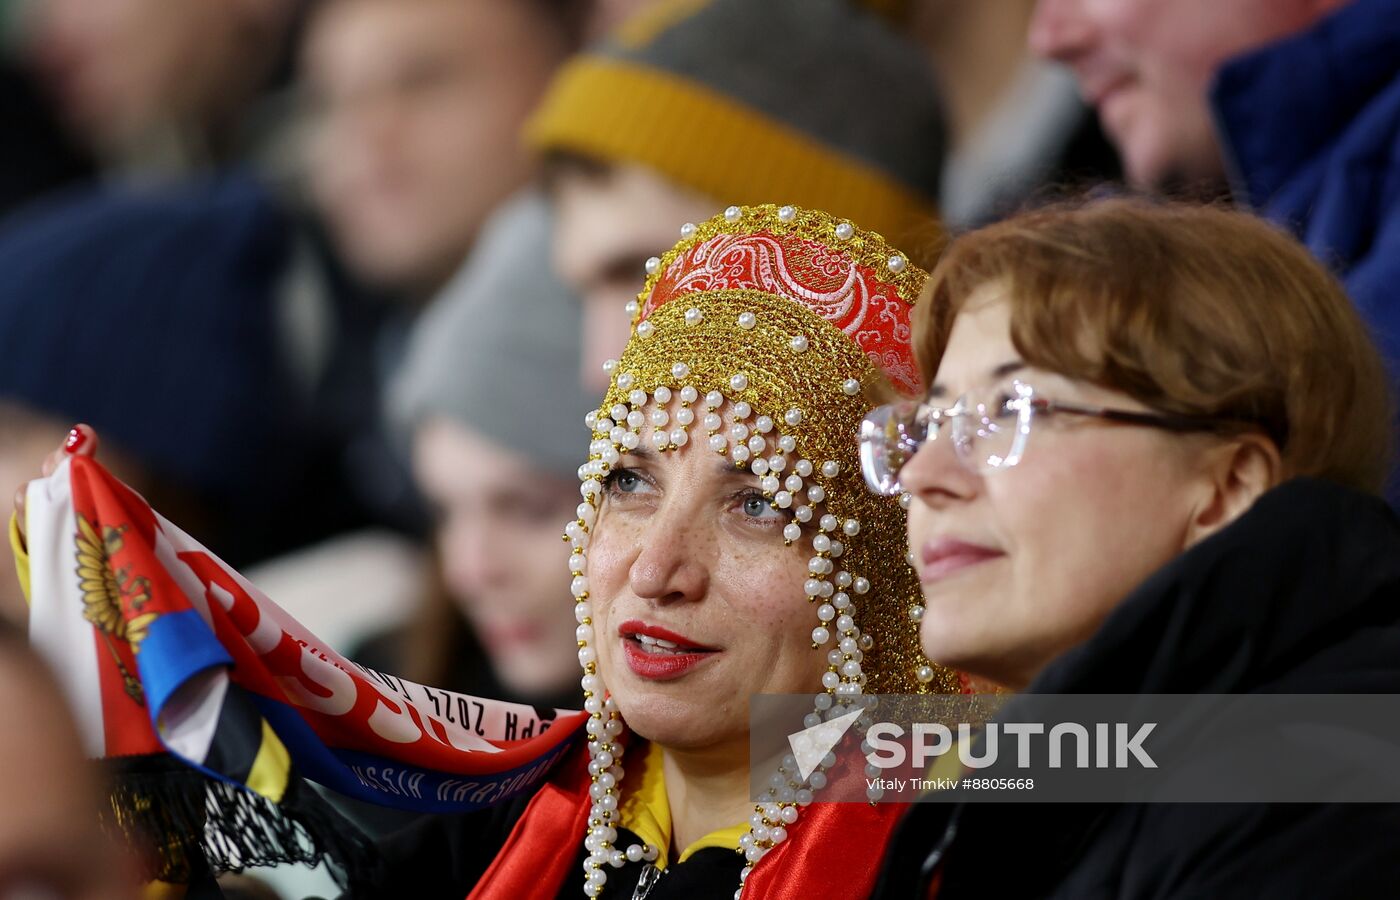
x=498 y=350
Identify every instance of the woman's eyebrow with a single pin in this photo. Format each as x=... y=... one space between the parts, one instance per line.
x=999 y=371
x=724 y=466
x=730 y=469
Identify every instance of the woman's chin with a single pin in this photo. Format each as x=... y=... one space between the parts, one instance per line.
x=946 y=641
x=989 y=665
x=672 y=722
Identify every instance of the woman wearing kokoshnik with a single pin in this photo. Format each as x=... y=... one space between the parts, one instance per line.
x=726 y=546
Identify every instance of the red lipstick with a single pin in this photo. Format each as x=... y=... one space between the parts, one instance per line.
x=658 y=653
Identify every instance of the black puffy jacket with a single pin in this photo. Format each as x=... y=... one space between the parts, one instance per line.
x=1301 y=595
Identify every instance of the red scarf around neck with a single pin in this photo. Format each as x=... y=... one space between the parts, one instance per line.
x=539 y=858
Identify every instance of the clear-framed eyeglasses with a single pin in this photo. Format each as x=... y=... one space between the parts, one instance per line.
x=986 y=436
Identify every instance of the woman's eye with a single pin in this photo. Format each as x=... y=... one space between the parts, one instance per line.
x=624 y=481
x=757 y=506
x=1004 y=405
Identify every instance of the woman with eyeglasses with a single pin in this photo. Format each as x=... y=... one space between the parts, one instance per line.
x=1148 y=463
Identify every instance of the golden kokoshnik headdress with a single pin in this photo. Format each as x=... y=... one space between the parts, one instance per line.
x=794 y=324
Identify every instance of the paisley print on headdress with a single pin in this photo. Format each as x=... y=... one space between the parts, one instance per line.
x=855 y=297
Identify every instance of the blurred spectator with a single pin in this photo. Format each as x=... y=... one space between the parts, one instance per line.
x=494 y=358
x=1298 y=101
x=151 y=316
x=1016 y=123
x=414 y=110
x=157 y=86
x=611 y=219
x=50 y=842
x=1147 y=67
x=495 y=355
x=692 y=106
x=417 y=107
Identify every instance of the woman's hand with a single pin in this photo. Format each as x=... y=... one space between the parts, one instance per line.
x=81 y=441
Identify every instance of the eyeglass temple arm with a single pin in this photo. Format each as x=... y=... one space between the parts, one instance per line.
x=1157 y=420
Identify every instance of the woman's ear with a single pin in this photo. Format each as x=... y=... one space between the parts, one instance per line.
x=1237 y=472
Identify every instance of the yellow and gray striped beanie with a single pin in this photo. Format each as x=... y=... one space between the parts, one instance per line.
x=815 y=103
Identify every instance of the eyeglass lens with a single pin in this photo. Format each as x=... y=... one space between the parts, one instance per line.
x=984 y=434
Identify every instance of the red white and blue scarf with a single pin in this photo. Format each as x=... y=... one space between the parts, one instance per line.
x=215 y=702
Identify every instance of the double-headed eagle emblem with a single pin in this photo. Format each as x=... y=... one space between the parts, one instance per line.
x=112 y=598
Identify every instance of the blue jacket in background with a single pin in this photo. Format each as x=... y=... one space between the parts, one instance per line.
x=1311 y=129
x=151 y=315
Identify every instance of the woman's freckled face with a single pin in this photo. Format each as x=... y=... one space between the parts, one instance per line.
x=1091 y=510
x=685 y=541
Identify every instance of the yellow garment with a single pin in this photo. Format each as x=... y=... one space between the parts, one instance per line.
x=21 y=555
x=646 y=812
x=946 y=766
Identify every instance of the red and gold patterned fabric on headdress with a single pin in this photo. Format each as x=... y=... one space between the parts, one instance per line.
x=869 y=306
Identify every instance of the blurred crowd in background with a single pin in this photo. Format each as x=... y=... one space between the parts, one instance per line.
x=335 y=279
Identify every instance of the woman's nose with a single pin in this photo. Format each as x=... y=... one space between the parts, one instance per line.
x=936 y=475
x=671 y=565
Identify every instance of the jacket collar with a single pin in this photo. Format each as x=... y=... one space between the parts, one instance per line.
x=1301 y=594
x=1293 y=575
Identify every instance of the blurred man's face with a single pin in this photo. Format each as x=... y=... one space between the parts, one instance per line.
x=120 y=69
x=1146 y=66
x=419 y=107
x=607 y=223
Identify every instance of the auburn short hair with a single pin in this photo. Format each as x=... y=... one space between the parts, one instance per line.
x=1188 y=309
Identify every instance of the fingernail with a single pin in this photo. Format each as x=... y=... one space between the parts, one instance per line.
x=74 y=442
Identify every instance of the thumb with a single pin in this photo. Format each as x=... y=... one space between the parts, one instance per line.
x=19 y=509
